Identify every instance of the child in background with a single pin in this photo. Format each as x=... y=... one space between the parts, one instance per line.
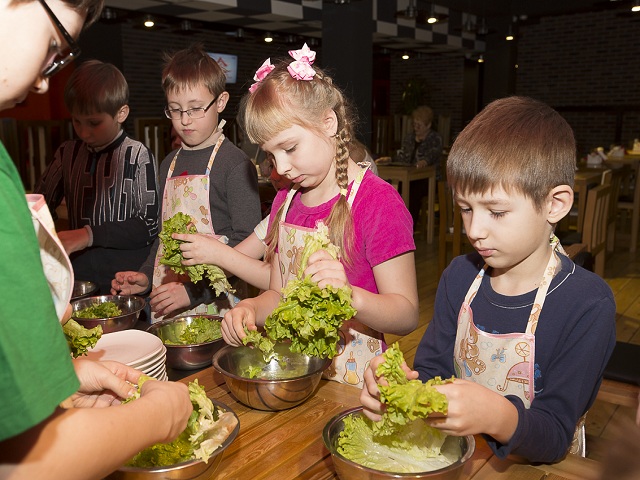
x=39 y=439
x=208 y=178
x=107 y=178
x=300 y=119
x=526 y=332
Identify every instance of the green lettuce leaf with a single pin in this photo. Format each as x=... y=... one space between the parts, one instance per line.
x=172 y=255
x=79 y=338
x=200 y=330
x=307 y=315
x=405 y=400
x=413 y=448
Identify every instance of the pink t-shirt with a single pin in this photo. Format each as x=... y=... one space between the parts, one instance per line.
x=382 y=225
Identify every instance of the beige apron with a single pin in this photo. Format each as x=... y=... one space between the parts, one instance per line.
x=188 y=194
x=507 y=366
x=358 y=343
x=55 y=262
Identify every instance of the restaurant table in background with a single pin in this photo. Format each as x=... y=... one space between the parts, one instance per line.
x=405 y=174
x=634 y=161
x=287 y=445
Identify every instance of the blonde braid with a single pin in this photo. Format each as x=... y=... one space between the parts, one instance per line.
x=340 y=222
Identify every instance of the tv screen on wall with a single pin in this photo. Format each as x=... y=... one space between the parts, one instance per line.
x=228 y=63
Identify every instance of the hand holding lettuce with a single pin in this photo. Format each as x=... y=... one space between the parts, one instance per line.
x=307 y=315
x=401 y=441
x=172 y=255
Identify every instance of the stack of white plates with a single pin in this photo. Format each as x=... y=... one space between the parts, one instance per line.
x=140 y=350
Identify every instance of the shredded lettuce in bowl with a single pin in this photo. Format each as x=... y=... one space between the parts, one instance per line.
x=208 y=427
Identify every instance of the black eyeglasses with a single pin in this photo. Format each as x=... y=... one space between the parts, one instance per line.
x=61 y=59
x=176 y=113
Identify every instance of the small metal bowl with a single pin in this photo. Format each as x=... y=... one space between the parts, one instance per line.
x=82 y=289
x=185 y=357
x=131 y=306
x=191 y=470
x=277 y=393
x=460 y=447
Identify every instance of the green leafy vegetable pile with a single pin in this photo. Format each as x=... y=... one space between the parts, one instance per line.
x=79 y=338
x=99 y=310
x=401 y=441
x=307 y=315
x=200 y=330
x=207 y=428
x=172 y=255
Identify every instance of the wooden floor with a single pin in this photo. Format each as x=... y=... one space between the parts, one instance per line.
x=623 y=276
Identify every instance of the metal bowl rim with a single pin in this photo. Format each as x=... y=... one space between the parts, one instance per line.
x=93 y=288
x=168 y=321
x=138 y=305
x=471 y=446
x=262 y=381
x=179 y=466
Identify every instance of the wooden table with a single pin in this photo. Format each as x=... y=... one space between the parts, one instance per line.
x=634 y=161
x=405 y=174
x=288 y=445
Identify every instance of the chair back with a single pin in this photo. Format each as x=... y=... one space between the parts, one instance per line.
x=615 y=179
x=444 y=129
x=38 y=141
x=594 y=233
x=381 y=144
x=155 y=133
x=450 y=229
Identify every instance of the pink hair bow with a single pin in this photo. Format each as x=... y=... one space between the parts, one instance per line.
x=261 y=73
x=300 y=68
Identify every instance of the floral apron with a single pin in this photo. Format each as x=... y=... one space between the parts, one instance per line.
x=188 y=194
x=507 y=365
x=358 y=343
x=55 y=262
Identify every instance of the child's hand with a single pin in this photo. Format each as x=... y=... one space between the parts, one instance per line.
x=103 y=383
x=129 y=283
x=74 y=240
x=475 y=409
x=234 y=322
x=325 y=270
x=370 y=395
x=199 y=249
x=168 y=298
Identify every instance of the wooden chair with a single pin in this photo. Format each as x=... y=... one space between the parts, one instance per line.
x=614 y=179
x=381 y=143
x=594 y=233
x=155 y=133
x=38 y=141
x=450 y=230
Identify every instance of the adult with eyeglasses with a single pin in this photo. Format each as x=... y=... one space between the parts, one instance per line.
x=39 y=438
x=208 y=178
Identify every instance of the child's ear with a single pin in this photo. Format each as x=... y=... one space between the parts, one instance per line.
x=560 y=201
x=330 y=123
x=221 y=103
x=122 y=114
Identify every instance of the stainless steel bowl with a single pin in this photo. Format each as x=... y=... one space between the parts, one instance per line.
x=348 y=470
x=272 y=394
x=131 y=306
x=82 y=289
x=191 y=470
x=185 y=357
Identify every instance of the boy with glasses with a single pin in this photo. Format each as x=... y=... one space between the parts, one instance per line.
x=38 y=438
x=107 y=178
x=208 y=178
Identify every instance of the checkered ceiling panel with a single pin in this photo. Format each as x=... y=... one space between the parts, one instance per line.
x=392 y=28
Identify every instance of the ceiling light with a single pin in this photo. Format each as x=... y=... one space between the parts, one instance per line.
x=432 y=18
x=509 y=36
x=148 y=21
x=636 y=6
x=405 y=56
x=480 y=59
x=268 y=37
